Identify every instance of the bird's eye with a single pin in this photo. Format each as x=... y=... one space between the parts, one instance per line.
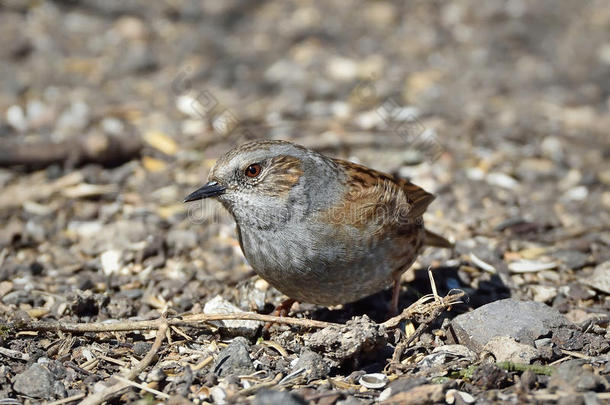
x=253 y=170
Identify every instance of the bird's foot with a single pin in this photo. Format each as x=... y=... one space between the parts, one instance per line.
x=281 y=310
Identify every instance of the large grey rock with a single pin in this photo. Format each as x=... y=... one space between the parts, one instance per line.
x=340 y=343
x=36 y=382
x=234 y=359
x=523 y=321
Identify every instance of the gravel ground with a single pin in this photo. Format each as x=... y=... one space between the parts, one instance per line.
x=112 y=111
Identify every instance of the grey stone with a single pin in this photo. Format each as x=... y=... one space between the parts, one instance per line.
x=523 y=321
x=544 y=342
x=314 y=365
x=141 y=348
x=507 y=349
x=36 y=382
x=572 y=259
x=543 y=293
x=16 y=297
x=270 y=397
x=572 y=377
x=234 y=359
x=444 y=354
x=600 y=280
x=340 y=343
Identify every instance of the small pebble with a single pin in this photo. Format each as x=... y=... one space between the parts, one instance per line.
x=502 y=180
x=530 y=266
x=600 y=280
x=16 y=118
x=112 y=126
x=111 y=261
x=451 y=394
x=342 y=69
x=576 y=194
x=374 y=380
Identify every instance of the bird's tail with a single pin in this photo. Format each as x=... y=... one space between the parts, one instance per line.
x=434 y=239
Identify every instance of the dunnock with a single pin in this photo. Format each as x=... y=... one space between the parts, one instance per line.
x=321 y=230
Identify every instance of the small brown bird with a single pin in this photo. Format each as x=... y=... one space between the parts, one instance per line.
x=321 y=230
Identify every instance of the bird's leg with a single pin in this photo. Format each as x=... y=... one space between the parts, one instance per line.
x=281 y=310
x=395 y=295
x=284 y=308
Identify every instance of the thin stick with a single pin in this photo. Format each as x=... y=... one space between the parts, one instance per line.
x=194 y=320
x=142 y=387
x=14 y=354
x=425 y=306
x=576 y=354
x=424 y=311
x=433 y=285
x=203 y=363
x=251 y=390
x=67 y=399
x=113 y=390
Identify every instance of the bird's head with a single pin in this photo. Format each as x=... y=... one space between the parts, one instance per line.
x=260 y=182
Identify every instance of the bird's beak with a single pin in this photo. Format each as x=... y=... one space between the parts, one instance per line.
x=211 y=189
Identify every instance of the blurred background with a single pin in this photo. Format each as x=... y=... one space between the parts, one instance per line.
x=112 y=111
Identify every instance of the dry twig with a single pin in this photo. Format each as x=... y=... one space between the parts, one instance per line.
x=424 y=311
x=193 y=320
x=253 y=389
x=115 y=389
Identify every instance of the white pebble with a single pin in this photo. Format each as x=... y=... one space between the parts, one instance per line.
x=340 y=109
x=369 y=120
x=36 y=110
x=193 y=127
x=112 y=126
x=85 y=229
x=111 y=261
x=474 y=173
x=16 y=118
x=551 y=148
x=543 y=293
x=452 y=393
x=481 y=264
x=502 y=180
x=530 y=266
x=218 y=395
x=191 y=107
x=374 y=380
x=342 y=69
x=75 y=117
x=579 y=193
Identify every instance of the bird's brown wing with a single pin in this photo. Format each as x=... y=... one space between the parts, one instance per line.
x=376 y=200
